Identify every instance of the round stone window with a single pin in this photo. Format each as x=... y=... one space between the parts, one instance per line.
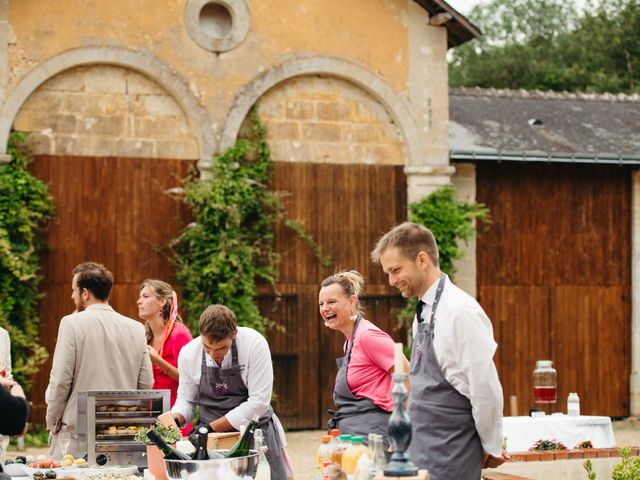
x=217 y=25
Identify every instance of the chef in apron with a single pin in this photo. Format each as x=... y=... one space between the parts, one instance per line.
x=365 y=406
x=228 y=373
x=457 y=430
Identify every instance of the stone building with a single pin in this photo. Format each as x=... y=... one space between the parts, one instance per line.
x=121 y=97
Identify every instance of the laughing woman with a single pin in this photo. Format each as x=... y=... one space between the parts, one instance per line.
x=166 y=334
x=362 y=392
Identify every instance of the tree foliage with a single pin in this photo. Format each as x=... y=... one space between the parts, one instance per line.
x=547 y=45
x=25 y=209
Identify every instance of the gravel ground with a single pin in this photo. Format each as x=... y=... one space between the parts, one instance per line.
x=302 y=445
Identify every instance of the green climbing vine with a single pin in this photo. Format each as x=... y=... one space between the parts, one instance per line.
x=229 y=247
x=25 y=209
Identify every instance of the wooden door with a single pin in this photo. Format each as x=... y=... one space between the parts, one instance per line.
x=346 y=208
x=113 y=211
x=554 y=274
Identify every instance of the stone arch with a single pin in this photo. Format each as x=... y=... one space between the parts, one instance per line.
x=397 y=107
x=141 y=62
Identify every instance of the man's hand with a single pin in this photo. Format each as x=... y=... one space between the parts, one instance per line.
x=492 y=462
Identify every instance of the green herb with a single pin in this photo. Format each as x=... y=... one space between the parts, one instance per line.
x=169 y=434
x=628 y=468
x=588 y=466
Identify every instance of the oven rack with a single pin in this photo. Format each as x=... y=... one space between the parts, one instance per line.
x=135 y=413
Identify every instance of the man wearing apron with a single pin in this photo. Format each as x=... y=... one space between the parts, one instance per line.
x=228 y=373
x=356 y=416
x=456 y=397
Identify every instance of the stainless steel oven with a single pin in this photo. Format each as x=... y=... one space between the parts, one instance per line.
x=109 y=421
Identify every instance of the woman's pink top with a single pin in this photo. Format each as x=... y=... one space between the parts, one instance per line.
x=178 y=338
x=371 y=359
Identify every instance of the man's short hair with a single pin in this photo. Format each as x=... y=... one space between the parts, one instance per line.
x=218 y=322
x=95 y=278
x=410 y=238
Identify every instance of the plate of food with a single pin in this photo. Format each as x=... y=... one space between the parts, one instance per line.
x=43 y=468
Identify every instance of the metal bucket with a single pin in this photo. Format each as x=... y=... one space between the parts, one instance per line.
x=240 y=468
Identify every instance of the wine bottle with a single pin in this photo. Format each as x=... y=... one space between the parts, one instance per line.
x=201 y=447
x=170 y=453
x=243 y=445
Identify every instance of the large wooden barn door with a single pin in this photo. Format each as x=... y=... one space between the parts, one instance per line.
x=346 y=208
x=115 y=211
x=111 y=210
x=554 y=273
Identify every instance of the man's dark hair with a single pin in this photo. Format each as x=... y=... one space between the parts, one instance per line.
x=95 y=278
x=218 y=322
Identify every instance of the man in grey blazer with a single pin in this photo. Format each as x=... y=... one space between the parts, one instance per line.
x=97 y=349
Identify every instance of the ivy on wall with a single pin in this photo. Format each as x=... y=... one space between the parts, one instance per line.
x=230 y=245
x=25 y=209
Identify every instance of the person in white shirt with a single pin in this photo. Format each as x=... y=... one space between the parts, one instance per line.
x=227 y=372
x=5 y=354
x=456 y=398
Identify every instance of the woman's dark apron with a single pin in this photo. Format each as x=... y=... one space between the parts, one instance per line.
x=445 y=440
x=222 y=390
x=356 y=416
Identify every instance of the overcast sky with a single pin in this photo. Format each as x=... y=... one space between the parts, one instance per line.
x=465 y=6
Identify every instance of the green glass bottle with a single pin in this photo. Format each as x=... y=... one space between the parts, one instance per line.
x=241 y=447
x=170 y=453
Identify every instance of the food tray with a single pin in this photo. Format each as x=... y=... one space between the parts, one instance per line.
x=114 y=437
x=136 y=413
x=21 y=470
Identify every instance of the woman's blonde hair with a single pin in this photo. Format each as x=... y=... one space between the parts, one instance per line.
x=352 y=283
x=160 y=290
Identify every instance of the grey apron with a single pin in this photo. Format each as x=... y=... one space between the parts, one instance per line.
x=222 y=390
x=445 y=440
x=356 y=416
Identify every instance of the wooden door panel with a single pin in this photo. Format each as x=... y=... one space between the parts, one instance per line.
x=559 y=248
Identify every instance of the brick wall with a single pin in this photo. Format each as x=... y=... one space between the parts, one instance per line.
x=327 y=120
x=106 y=111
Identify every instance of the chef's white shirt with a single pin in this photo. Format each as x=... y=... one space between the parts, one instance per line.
x=464 y=347
x=256 y=370
x=5 y=352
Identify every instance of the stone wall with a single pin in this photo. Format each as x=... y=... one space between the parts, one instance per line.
x=106 y=111
x=328 y=120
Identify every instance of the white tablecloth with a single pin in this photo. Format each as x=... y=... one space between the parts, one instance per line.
x=523 y=432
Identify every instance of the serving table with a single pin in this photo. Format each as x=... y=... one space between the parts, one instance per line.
x=523 y=432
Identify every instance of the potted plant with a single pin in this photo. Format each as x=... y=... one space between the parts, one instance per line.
x=155 y=457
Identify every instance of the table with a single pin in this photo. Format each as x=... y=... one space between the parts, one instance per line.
x=523 y=432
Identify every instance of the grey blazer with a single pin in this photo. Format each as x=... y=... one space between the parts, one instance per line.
x=97 y=349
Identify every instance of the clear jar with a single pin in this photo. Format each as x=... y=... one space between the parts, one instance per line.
x=545 y=383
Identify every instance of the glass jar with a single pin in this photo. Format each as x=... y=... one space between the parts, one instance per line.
x=545 y=383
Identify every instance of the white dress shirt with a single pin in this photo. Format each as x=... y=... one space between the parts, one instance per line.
x=5 y=352
x=464 y=347
x=254 y=358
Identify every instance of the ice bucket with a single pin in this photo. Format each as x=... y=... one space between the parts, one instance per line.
x=240 y=468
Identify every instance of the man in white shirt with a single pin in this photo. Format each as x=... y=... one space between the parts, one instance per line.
x=227 y=371
x=456 y=397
